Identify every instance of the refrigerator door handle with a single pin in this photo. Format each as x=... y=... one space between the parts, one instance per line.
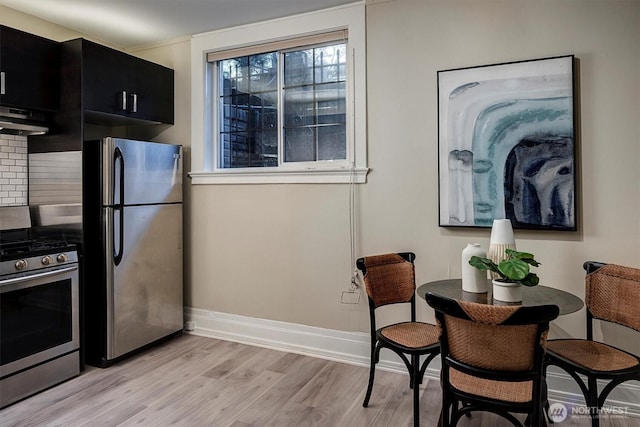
x=118 y=206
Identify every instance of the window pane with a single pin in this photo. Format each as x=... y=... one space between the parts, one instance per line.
x=232 y=149
x=248 y=106
x=264 y=72
x=299 y=107
x=329 y=62
x=267 y=141
x=234 y=73
x=331 y=103
x=331 y=142
x=300 y=144
x=315 y=104
x=298 y=67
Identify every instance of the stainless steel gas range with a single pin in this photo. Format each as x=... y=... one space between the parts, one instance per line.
x=39 y=309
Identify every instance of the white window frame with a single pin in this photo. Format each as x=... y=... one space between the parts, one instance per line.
x=204 y=169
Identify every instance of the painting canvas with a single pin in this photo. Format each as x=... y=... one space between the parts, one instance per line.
x=506 y=144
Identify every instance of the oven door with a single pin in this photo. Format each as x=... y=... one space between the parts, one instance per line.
x=39 y=318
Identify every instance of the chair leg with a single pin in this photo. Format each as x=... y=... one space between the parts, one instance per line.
x=592 y=401
x=445 y=412
x=415 y=380
x=534 y=418
x=416 y=406
x=372 y=372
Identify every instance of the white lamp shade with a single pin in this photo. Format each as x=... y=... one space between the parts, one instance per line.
x=502 y=232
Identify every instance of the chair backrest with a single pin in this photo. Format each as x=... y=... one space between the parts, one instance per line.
x=612 y=294
x=493 y=338
x=389 y=278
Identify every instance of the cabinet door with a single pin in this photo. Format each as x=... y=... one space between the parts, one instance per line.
x=107 y=76
x=153 y=92
x=117 y=83
x=30 y=67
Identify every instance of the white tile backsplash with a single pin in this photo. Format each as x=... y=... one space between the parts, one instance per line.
x=14 y=173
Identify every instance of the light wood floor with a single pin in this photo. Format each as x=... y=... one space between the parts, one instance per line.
x=195 y=381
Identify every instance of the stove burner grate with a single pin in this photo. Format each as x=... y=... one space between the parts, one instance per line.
x=31 y=247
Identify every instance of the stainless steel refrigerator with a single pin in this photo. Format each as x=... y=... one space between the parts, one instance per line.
x=132 y=246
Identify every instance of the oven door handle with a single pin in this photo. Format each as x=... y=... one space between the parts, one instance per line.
x=37 y=276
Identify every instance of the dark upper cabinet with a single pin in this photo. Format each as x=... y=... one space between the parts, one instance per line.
x=105 y=92
x=116 y=83
x=30 y=71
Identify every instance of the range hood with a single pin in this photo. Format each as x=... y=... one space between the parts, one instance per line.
x=16 y=121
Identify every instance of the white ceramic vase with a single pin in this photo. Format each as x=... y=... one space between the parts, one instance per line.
x=473 y=280
x=507 y=291
x=501 y=238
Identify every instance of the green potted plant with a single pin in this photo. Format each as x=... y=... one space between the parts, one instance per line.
x=513 y=271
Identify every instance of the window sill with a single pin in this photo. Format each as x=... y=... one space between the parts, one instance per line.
x=320 y=176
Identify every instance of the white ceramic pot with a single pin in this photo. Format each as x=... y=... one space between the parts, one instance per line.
x=473 y=280
x=507 y=291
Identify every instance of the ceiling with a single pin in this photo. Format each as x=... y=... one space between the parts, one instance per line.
x=130 y=23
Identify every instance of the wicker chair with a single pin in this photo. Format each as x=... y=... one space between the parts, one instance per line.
x=492 y=359
x=612 y=294
x=390 y=279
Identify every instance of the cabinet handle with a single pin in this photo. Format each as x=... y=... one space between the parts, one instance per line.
x=124 y=100
x=134 y=103
x=2 y=89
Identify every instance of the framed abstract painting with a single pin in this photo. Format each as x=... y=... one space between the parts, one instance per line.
x=506 y=144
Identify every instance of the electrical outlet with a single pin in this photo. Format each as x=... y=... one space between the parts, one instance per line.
x=350 y=297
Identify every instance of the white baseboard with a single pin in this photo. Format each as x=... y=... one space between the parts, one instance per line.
x=354 y=348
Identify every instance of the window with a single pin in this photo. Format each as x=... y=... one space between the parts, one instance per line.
x=288 y=109
x=282 y=107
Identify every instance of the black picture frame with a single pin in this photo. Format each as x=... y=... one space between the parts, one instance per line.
x=507 y=146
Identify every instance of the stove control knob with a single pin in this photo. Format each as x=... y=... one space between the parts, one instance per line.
x=21 y=264
x=62 y=258
x=46 y=260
